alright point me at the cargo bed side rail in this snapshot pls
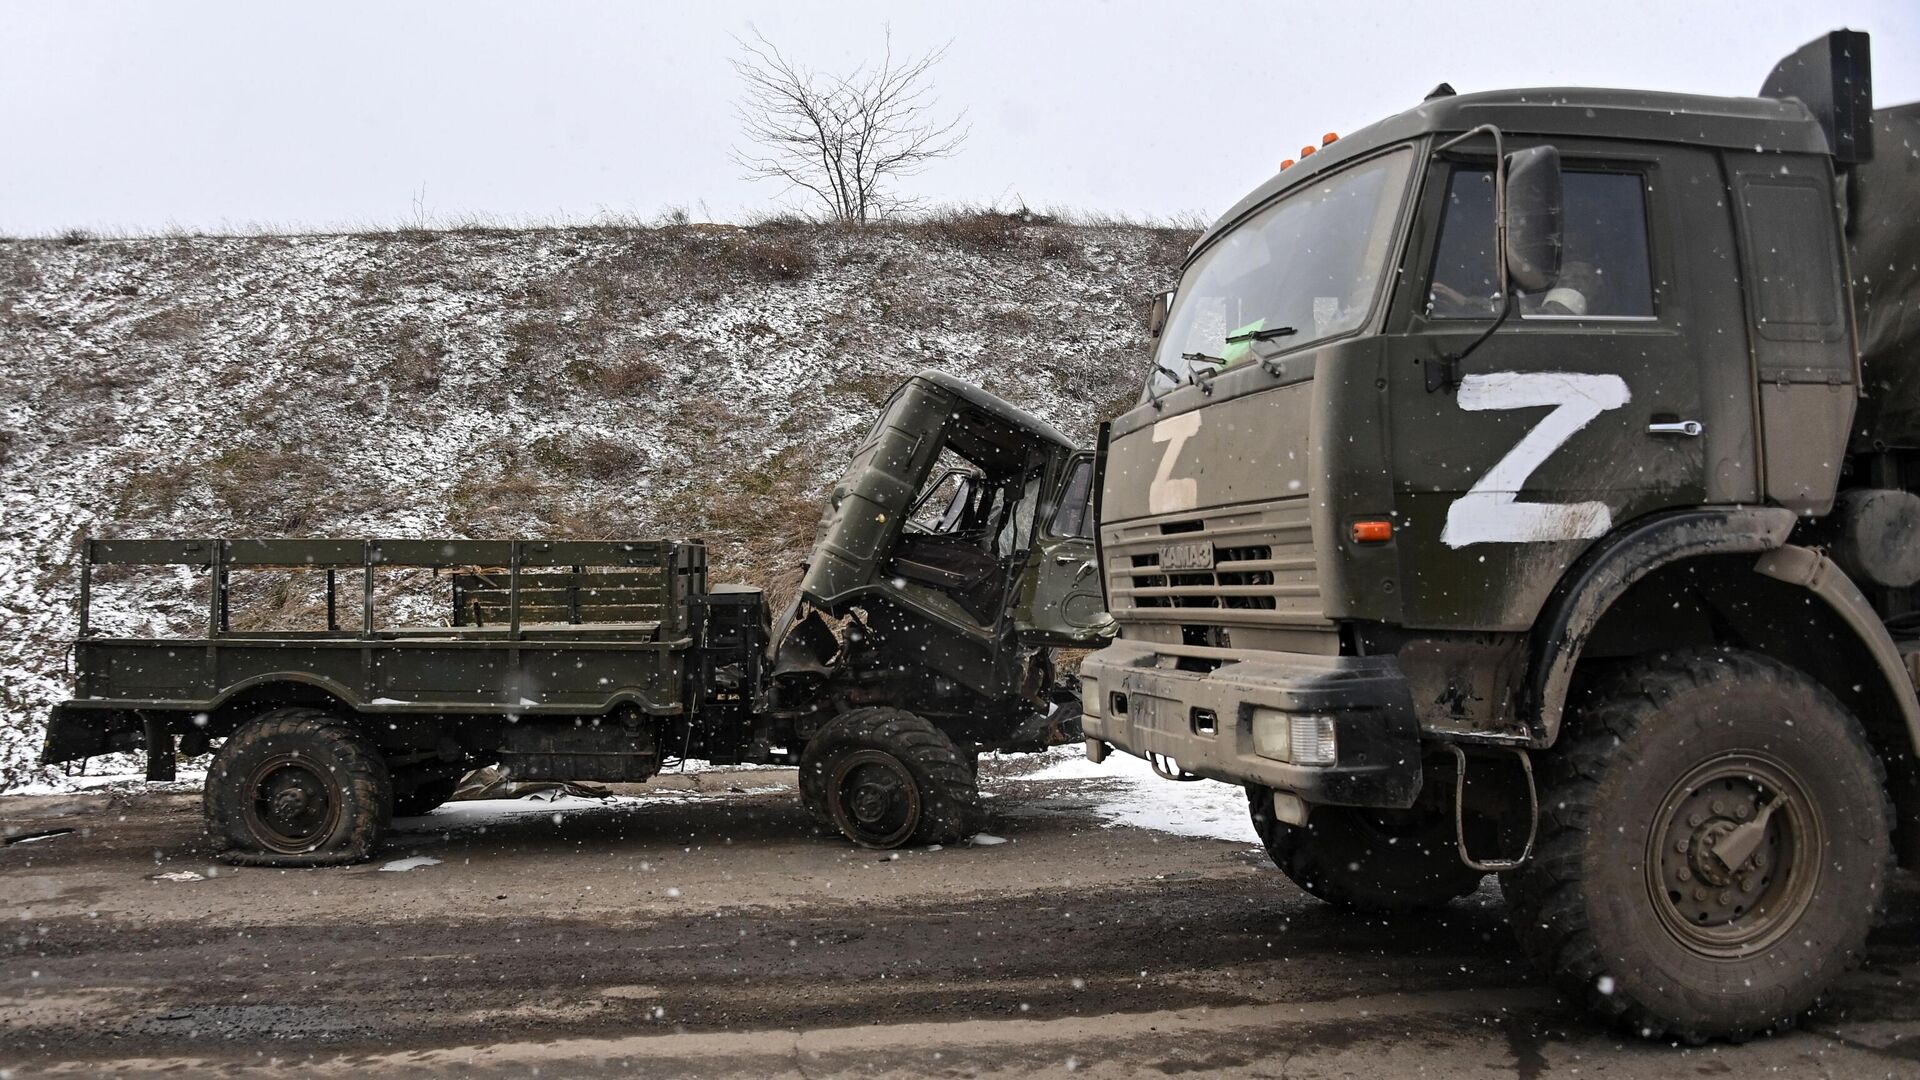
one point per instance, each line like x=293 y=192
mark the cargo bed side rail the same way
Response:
x=559 y=572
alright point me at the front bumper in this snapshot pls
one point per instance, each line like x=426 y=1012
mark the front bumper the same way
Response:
x=1378 y=739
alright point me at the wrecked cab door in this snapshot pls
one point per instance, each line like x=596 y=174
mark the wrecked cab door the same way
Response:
x=1060 y=599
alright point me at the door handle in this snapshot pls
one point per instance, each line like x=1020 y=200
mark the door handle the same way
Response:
x=1690 y=428
x=1063 y=558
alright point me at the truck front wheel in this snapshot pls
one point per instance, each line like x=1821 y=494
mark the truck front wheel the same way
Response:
x=1714 y=847
x=1367 y=860
x=885 y=777
x=298 y=787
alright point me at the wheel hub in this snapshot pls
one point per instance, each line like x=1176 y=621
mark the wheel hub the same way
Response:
x=1728 y=841
x=873 y=799
x=292 y=806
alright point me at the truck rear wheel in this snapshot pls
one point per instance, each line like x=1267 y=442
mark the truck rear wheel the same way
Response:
x=1367 y=860
x=1714 y=847
x=298 y=787
x=885 y=778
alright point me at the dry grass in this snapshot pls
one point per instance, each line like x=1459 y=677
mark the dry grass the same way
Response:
x=976 y=229
x=873 y=387
x=706 y=416
x=592 y=457
x=282 y=600
x=418 y=362
x=170 y=325
x=275 y=492
x=783 y=257
x=758 y=519
x=150 y=487
x=499 y=500
x=628 y=373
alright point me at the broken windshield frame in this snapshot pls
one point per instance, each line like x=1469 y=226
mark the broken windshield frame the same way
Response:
x=1306 y=267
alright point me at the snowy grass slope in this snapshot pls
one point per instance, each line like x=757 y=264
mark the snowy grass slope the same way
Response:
x=678 y=381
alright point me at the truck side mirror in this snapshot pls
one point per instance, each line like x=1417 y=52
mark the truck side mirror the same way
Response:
x=1157 y=317
x=1533 y=218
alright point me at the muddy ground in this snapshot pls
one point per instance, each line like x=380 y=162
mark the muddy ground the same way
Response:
x=702 y=931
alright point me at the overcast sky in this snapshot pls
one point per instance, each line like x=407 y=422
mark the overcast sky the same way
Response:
x=204 y=116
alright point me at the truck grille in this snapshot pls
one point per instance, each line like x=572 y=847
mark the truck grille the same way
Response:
x=1263 y=571
x=1230 y=584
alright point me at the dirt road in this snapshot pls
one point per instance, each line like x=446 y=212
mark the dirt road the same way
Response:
x=712 y=933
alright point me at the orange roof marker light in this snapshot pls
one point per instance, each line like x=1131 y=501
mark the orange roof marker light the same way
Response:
x=1329 y=138
x=1287 y=164
x=1372 y=532
x=1307 y=150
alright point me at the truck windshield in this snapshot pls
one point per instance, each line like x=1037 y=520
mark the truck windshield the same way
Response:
x=1312 y=261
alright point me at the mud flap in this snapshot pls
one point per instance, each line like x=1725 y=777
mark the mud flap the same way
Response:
x=162 y=762
x=73 y=734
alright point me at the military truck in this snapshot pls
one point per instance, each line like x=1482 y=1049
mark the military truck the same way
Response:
x=1526 y=484
x=950 y=560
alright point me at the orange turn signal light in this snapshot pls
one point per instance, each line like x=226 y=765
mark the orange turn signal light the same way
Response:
x=1372 y=532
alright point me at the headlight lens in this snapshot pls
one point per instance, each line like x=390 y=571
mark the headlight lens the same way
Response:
x=1303 y=739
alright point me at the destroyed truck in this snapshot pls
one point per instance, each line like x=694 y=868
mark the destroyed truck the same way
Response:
x=1530 y=483
x=950 y=561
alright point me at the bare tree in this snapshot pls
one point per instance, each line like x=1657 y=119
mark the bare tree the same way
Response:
x=845 y=139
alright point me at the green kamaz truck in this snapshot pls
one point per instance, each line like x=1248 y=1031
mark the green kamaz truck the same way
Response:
x=1527 y=483
x=951 y=559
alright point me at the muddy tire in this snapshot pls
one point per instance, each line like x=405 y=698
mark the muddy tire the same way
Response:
x=1670 y=770
x=423 y=797
x=1366 y=860
x=886 y=778
x=298 y=787
x=813 y=788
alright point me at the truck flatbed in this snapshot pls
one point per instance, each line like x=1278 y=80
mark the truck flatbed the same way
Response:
x=624 y=623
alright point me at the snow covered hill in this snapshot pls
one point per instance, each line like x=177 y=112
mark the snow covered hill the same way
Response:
x=685 y=381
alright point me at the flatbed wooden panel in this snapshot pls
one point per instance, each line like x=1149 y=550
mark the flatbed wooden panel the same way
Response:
x=563 y=670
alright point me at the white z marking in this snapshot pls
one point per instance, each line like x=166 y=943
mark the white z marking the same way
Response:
x=1487 y=514
x=1167 y=495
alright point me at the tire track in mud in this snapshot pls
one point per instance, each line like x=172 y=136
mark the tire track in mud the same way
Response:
x=175 y=988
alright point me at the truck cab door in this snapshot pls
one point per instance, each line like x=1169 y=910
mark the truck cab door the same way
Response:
x=1586 y=409
x=1059 y=599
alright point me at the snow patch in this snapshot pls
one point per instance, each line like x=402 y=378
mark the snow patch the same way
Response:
x=1125 y=791
x=413 y=863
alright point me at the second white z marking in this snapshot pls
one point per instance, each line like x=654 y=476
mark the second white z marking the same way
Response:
x=1166 y=493
x=1487 y=513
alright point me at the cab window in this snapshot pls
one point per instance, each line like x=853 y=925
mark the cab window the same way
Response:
x=1074 y=516
x=1604 y=268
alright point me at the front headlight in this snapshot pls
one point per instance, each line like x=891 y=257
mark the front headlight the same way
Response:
x=1302 y=739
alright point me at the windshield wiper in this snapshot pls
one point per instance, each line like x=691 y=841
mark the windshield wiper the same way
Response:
x=1203 y=380
x=1267 y=363
x=1261 y=335
x=1172 y=375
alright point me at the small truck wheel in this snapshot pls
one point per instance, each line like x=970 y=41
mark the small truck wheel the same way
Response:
x=886 y=778
x=1366 y=860
x=1714 y=846
x=298 y=787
